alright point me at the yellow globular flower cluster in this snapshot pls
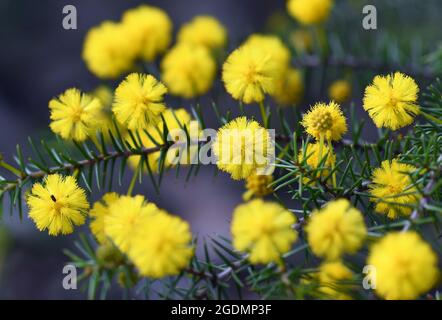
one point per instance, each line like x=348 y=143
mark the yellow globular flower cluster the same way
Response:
x=340 y=91
x=175 y=120
x=391 y=101
x=149 y=29
x=249 y=74
x=188 y=70
x=112 y=48
x=204 y=31
x=325 y=119
x=289 y=88
x=242 y=147
x=313 y=159
x=139 y=101
x=404 y=266
x=57 y=204
x=301 y=40
x=309 y=12
x=336 y=229
x=257 y=185
x=74 y=115
x=98 y=213
x=155 y=241
x=392 y=189
x=333 y=278
x=264 y=230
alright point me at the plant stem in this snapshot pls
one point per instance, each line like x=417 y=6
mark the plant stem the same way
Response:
x=264 y=114
x=330 y=145
x=431 y=118
x=10 y=168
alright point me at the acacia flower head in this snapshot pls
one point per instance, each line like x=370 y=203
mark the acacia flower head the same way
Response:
x=289 y=88
x=393 y=190
x=108 y=51
x=188 y=70
x=340 y=91
x=325 y=119
x=264 y=230
x=57 y=204
x=405 y=266
x=249 y=74
x=336 y=229
x=139 y=101
x=312 y=158
x=125 y=216
x=257 y=185
x=98 y=213
x=162 y=247
x=333 y=278
x=149 y=29
x=391 y=101
x=241 y=147
x=74 y=115
x=310 y=12
x=204 y=31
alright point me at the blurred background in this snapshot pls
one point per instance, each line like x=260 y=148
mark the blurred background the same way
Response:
x=39 y=60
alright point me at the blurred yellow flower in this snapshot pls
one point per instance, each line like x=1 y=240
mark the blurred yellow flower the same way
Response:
x=57 y=204
x=325 y=119
x=393 y=190
x=98 y=214
x=149 y=29
x=289 y=88
x=264 y=230
x=257 y=185
x=139 y=101
x=74 y=115
x=404 y=266
x=108 y=51
x=336 y=229
x=310 y=12
x=188 y=70
x=124 y=219
x=162 y=247
x=301 y=40
x=340 y=91
x=250 y=74
x=391 y=101
x=241 y=147
x=333 y=279
x=204 y=30
x=313 y=159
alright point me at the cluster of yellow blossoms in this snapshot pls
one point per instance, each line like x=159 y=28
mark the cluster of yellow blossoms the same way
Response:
x=159 y=244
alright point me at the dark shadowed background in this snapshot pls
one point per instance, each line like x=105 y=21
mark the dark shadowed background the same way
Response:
x=39 y=60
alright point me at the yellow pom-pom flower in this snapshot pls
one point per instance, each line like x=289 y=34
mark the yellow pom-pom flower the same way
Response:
x=162 y=247
x=391 y=101
x=312 y=158
x=57 y=204
x=249 y=74
x=289 y=88
x=241 y=147
x=150 y=29
x=139 y=101
x=333 y=279
x=257 y=185
x=393 y=190
x=340 y=91
x=301 y=40
x=404 y=266
x=108 y=51
x=325 y=119
x=264 y=230
x=175 y=121
x=74 y=115
x=310 y=12
x=336 y=229
x=188 y=70
x=125 y=217
x=98 y=213
x=204 y=31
